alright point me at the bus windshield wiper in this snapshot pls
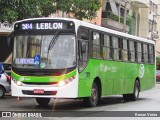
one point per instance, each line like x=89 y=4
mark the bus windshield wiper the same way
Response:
x=52 y=43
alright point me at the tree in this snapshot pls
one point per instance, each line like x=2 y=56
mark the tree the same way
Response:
x=12 y=10
x=80 y=9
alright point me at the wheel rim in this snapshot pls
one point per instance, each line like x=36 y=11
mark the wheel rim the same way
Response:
x=137 y=90
x=1 y=92
x=94 y=96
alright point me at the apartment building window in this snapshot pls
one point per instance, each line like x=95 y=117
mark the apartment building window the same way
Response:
x=108 y=6
x=154 y=26
x=154 y=8
x=122 y=12
x=150 y=26
x=151 y=5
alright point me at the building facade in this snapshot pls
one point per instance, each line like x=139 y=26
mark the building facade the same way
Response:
x=136 y=17
x=5 y=45
x=158 y=28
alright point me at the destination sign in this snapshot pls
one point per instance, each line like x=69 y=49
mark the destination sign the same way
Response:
x=44 y=26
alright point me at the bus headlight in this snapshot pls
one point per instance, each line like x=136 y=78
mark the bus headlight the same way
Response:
x=66 y=81
x=19 y=83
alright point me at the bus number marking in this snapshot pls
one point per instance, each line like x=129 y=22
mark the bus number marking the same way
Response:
x=27 y=26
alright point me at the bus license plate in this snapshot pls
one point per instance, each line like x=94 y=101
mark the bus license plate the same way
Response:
x=39 y=91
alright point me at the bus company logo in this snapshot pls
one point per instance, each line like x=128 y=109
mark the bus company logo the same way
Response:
x=21 y=78
x=141 y=71
x=6 y=114
x=103 y=67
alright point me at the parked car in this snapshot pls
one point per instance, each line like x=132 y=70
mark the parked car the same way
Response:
x=5 y=79
x=158 y=75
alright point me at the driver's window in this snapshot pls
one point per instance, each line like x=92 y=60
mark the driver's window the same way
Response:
x=83 y=37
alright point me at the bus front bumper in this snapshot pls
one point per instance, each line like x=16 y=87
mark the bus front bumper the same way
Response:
x=47 y=91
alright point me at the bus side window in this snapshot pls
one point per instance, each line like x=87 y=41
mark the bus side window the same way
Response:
x=107 y=47
x=145 y=53
x=132 y=53
x=125 y=50
x=116 y=48
x=96 y=52
x=151 y=54
x=139 y=52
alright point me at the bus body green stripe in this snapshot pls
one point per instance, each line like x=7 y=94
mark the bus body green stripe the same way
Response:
x=44 y=79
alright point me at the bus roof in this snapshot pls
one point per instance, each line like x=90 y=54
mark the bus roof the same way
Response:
x=100 y=28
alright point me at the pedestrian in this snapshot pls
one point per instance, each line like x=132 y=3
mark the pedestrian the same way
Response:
x=19 y=98
x=1 y=68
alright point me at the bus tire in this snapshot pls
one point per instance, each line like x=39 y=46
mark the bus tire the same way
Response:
x=43 y=101
x=126 y=97
x=2 y=92
x=94 y=98
x=135 y=94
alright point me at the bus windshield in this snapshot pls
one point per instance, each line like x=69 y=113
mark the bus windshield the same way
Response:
x=44 y=51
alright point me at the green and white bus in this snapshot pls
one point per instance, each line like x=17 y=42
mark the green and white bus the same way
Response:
x=68 y=58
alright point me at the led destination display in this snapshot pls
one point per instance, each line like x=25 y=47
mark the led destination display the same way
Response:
x=57 y=25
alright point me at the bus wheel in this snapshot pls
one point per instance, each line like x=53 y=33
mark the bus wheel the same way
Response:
x=93 y=99
x=126 y=97
x=135 y=94
x=2 y=92
x=43 y=101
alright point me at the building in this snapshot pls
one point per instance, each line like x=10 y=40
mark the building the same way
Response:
x=115 y=14
x=136 y=17
x=158 y=29
x=5 y=48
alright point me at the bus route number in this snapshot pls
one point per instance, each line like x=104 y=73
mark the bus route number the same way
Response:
x=27 y=26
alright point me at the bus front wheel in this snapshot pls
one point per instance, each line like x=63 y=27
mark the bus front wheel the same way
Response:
x=43 y=101
x=2 y=92
x=93 y=99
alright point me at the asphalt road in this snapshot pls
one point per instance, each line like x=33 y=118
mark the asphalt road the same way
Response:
x=114 y=105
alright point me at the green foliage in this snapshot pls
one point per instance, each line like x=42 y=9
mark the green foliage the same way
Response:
x=12 y=10
x=128 y=21
x=80 y=9
x=158 y=63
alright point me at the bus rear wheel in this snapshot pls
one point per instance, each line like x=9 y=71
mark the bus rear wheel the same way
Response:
x=93 y=99
x=135 y=95
x=43 y=101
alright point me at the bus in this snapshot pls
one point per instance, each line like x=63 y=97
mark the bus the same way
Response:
x=69 y=58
